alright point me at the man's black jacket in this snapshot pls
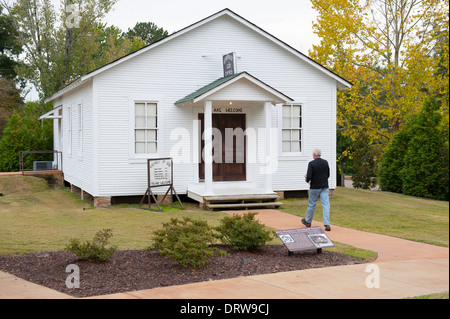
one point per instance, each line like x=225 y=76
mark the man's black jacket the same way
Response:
x=318 y=173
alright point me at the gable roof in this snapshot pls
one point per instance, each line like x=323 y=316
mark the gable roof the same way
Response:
x=342 y=83
x=222 y=83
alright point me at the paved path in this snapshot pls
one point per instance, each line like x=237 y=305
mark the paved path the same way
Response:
x=406 y=269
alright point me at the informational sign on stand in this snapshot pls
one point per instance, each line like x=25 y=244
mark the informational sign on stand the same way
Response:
x=304 y=239
x=159 y=174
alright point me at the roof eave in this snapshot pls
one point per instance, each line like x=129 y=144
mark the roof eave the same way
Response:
x=204 y=94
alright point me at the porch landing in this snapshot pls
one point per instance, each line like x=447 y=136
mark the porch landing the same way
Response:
x=232 y=195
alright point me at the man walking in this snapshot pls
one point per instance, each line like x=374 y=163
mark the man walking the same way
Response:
x=318 y=174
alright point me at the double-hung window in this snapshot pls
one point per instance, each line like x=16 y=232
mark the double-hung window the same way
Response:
x=146 y=127
x=80 y=129
x=69 y=129
x=292 y=129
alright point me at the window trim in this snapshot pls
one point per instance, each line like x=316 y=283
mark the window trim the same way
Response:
x=80 y=129
x=142 y=157
x=69 y=130
x=146 y=128
x=303 y=130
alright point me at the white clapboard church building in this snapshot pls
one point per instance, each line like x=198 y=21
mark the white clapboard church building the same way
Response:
x=238 y=111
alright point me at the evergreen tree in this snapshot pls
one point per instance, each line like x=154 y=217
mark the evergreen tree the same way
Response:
x=424 y=169
x=390 y=179
x=416 y=161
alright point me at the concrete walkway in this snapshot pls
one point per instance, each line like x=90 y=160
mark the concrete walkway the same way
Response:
x=405 y=268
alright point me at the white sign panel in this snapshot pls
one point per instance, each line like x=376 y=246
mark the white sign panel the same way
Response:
x=160 y=172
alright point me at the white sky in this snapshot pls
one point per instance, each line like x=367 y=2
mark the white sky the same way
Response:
x=288 y=20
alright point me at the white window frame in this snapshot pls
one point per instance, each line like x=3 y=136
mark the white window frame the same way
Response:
x=69 y=130
x=291 y=128
x=141 y=157
x=80 y=129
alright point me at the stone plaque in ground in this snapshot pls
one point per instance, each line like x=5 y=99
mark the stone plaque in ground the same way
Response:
x=304 y=239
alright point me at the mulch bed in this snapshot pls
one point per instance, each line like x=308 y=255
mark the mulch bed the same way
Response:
x=133 y=270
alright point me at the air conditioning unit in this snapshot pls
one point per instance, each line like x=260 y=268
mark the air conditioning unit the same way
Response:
x=42 y=165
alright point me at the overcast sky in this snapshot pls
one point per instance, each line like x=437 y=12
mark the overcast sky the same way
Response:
x=288 y=20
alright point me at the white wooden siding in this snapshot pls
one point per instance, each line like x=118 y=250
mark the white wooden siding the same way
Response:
x=78 y=166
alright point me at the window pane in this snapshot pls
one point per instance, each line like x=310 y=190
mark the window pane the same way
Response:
x=151 y=121
x=286 y=135
x=295 y=147
x=297 y=110
x=296 y=135
x=286 y=122
x=151 y=135
x=140 y=148
x=286 y=111
x=295 y=122
x=151 y=109
x=140 y=135
x=140 y=121
x=140 y=109
x=80 y=116
x=286 y=146
x=151 y=147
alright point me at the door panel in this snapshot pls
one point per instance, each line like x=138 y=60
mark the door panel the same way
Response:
x=231 y=163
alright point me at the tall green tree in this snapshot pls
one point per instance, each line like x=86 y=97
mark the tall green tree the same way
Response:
x=417 y=159
x=10 y=95
x=390 y=178
x=10 y=47
x=426 y=160
x=147 y=32
x=10 y=100
x=51 y=37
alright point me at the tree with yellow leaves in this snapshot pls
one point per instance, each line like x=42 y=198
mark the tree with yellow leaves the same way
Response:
x=395 y=52
x=392 y=51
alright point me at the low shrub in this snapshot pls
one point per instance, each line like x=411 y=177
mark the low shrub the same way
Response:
x=243 y=232
x=186 y=241
x=95 y=250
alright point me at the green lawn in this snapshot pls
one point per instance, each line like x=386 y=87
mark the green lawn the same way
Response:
x=36 y=218
x=384 y=213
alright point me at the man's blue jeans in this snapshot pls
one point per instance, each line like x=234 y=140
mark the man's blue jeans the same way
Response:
x=314 y=195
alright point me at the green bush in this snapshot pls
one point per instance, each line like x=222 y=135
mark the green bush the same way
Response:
x=25 y=132
x=94 y=251
x=186 y=241
x=243 y=232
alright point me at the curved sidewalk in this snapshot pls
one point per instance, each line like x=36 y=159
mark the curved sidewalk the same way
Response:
x=405 y=268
